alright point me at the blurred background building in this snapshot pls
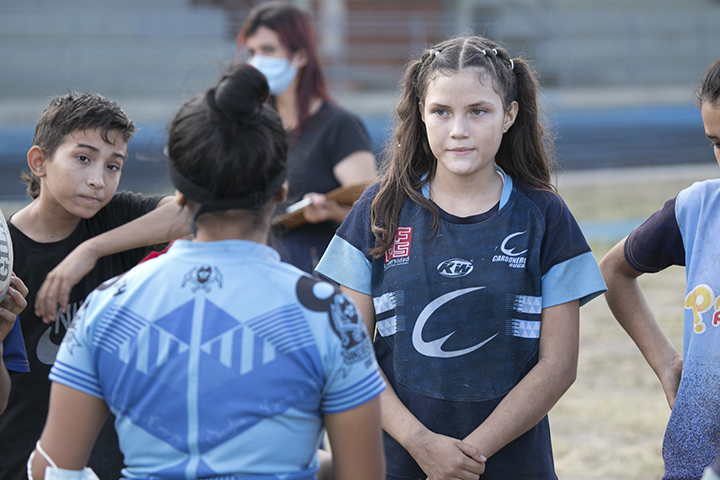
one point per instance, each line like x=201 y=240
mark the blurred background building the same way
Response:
x=618 y=75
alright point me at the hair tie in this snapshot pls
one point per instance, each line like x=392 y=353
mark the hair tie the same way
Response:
x=512 y=64
x=494 y=52
x=432 y=54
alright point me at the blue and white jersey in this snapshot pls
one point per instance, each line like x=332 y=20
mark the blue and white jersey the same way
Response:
x=458 y=310
x=681 y=233
x=218 y=360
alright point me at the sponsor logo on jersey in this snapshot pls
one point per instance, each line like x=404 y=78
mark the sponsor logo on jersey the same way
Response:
x=203 y=277
x=434 y=348
x=510 y=256
x=455 y=267
x=399 y=253
x=49 y=343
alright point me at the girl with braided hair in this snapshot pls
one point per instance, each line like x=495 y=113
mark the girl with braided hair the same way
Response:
x=471 y=270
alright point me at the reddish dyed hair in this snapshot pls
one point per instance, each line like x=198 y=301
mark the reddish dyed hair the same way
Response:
x=296 y=33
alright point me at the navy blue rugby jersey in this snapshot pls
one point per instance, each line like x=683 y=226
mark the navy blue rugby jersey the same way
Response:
x=458 y=310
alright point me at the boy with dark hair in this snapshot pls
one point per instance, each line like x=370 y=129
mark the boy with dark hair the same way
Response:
x=79 y=148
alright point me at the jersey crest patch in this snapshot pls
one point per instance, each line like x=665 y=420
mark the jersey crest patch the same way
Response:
x=399 y=253
x=513 y=258
x=203 y=277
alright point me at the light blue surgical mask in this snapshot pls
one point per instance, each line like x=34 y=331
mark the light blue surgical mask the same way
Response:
x=279 y=72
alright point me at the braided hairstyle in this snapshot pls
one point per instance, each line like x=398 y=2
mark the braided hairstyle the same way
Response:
x=526 y=151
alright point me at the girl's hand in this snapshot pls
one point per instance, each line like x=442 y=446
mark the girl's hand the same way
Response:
x=55 y=290
x=671 y=380
x=12 y=305
x=446 y=458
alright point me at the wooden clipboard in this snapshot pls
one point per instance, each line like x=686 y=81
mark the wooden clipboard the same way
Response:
x=346 y=196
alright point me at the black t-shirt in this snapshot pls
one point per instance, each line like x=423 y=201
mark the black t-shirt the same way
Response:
x=329 y=136
x=23 y=421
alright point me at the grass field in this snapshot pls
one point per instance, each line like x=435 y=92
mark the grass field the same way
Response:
x=610 y=424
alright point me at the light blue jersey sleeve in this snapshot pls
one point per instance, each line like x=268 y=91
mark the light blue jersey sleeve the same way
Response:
x=346 y=265
x=351 y=373
x=578 y=278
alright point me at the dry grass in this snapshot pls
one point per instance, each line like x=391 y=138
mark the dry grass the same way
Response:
x=610 y=424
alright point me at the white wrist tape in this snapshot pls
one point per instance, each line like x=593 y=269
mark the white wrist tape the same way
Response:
x=52 y=472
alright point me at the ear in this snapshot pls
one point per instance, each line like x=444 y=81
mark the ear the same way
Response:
x=299 y=59
x=422 y=111
x=510 y=116
x=36 y=161
x=180 y=199
x=281 y=194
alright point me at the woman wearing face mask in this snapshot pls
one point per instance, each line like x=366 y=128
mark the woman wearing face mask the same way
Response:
x=329 y=147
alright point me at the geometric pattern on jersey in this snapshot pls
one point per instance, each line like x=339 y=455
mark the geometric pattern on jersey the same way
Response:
x=525 y=303
x=523 y=328
x=195 y=376
x=386 y=313
x=244 y=349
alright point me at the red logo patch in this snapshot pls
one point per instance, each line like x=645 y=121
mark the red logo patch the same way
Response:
x=401 y=246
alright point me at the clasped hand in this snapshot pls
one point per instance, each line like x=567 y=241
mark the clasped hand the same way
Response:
x=446 y=458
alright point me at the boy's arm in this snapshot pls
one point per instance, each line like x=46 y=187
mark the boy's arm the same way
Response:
x=631 y=309
x=167 y=222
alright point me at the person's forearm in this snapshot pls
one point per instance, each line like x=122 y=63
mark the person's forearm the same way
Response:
x=632 y=311
x=523 y=407
x=398 y=421
x=4 y=382
x=166 y=223
x=533 y=397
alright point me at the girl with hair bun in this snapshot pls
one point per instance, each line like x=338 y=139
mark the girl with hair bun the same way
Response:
x=211 y=353
x=471 y=270
x=329 y=146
